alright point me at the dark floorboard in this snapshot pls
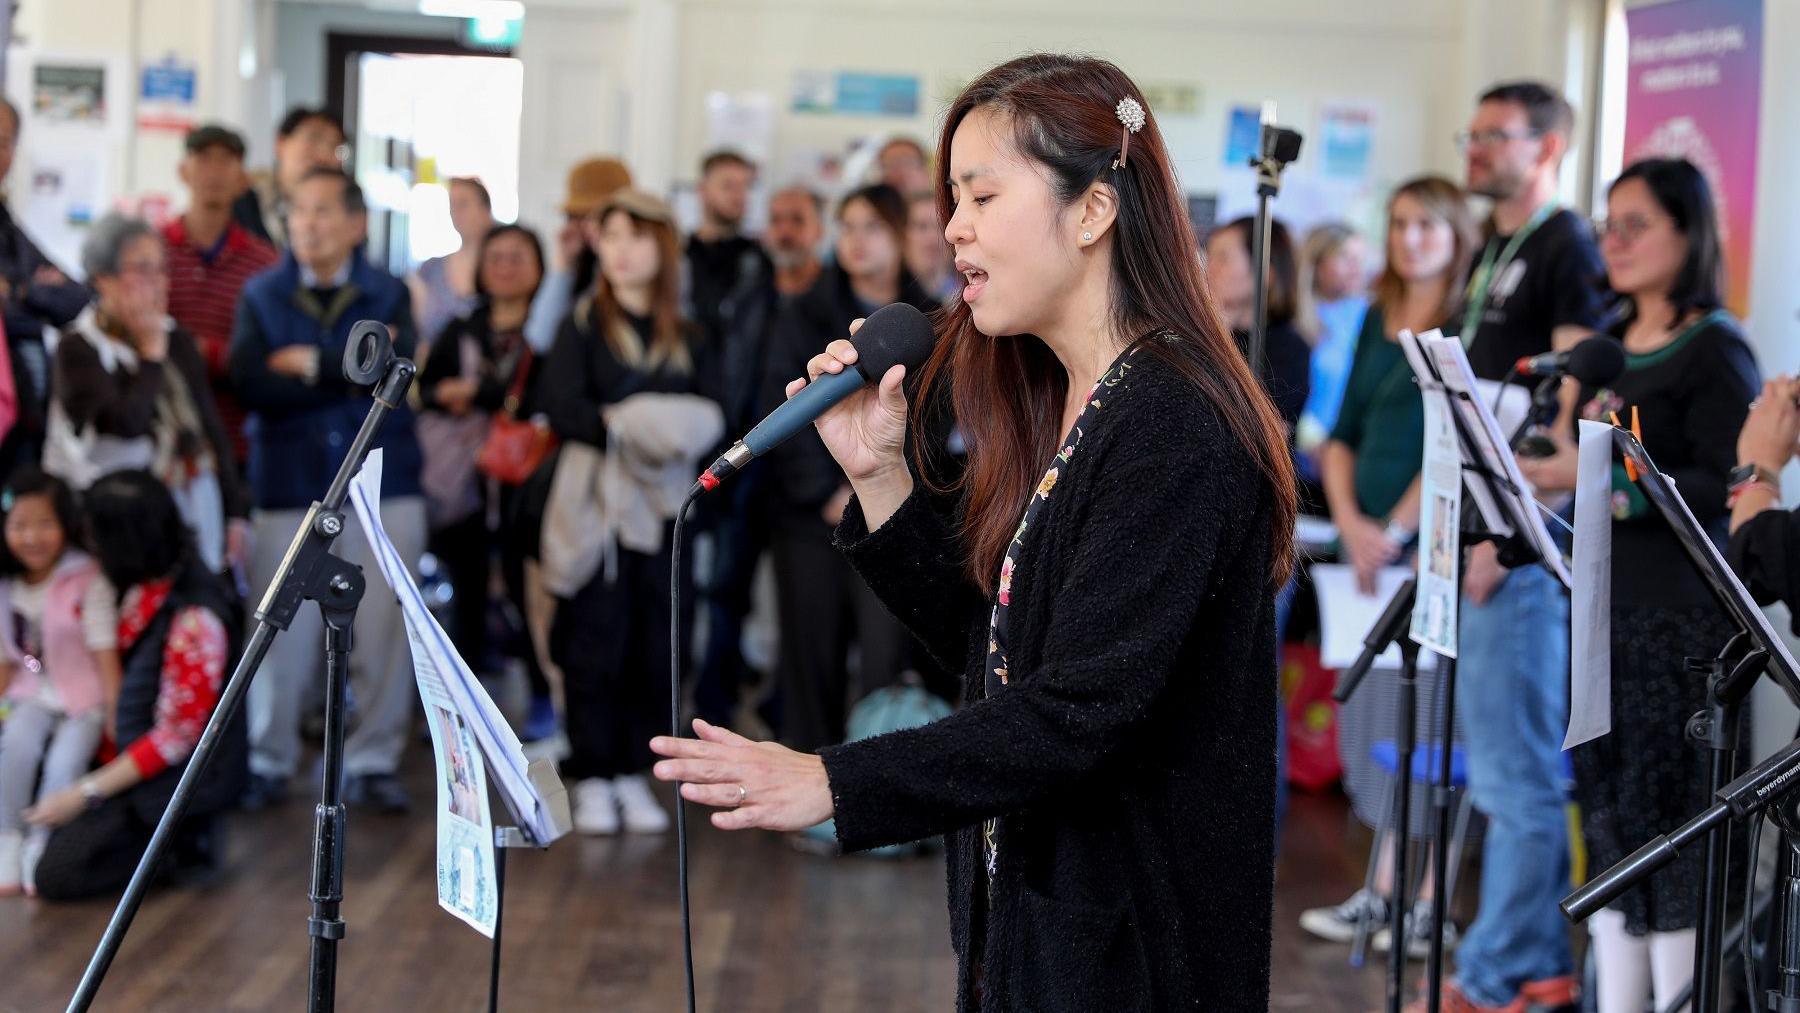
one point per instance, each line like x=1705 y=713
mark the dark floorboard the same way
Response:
x=590 y=924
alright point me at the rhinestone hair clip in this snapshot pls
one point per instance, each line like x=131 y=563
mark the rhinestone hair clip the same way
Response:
x=1131 y=119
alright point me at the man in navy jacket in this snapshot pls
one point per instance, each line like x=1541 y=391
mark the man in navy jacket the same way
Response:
x=287 y=351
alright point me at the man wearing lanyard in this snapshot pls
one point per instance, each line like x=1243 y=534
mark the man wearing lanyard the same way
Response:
x=1536 y=285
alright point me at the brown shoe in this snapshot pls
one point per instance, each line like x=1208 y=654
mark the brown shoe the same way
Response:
x=1552 y=993
x=1544 y=994
x=1452 y=1000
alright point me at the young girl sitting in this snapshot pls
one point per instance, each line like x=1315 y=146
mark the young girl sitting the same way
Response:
x=59 y=660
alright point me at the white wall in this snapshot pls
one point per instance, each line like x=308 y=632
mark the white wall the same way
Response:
x=1774 y=294
x=132 y=33
x=1392 y=54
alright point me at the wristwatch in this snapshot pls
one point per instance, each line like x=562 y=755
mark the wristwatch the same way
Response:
x=1744 y=474
x=1399 y=534
x=91 y=795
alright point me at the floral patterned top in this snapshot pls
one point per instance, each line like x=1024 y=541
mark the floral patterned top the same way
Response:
x=193 y=673
x=997 y=663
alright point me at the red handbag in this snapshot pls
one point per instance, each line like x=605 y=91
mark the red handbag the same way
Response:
x=514 y=449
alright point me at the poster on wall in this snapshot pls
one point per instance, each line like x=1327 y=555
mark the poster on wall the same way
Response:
x=1243 y=136
x=1694 y=92
x=71 y=141
x=69 y=93
x=854 y=93
x=1346 y=141
x=166 y=96
x=744 y=123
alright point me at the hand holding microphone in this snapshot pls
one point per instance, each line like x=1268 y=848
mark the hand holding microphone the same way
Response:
x=865 y=432
x=864 y=428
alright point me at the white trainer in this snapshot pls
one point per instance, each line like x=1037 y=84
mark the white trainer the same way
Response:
x=643 y=813
x=35 y=841
x=12 y=847
x=596 y=807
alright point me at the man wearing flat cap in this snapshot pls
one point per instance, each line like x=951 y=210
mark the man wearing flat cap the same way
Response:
x=211 y=255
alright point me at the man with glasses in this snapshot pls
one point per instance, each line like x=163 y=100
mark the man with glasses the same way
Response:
x=287 y=352
x=1535 y=286
x=307 y=139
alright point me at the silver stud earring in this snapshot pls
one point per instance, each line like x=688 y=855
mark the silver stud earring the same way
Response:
x=1087 y=237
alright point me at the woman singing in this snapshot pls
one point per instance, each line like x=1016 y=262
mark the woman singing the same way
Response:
x=1103 y=574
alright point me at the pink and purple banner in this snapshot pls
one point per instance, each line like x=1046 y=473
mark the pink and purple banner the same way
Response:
x=1694 y=92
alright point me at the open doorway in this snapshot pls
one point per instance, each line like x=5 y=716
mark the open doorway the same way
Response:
x=419 y=113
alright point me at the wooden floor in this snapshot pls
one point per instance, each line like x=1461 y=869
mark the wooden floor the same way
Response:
x=591 y=924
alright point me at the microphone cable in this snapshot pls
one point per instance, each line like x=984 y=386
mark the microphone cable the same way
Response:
x=681 y=835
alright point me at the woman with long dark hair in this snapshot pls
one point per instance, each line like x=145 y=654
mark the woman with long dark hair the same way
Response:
x=824 y=607
x=1231 y=278
x=628 y=372
x=481 y=365
x=1103 y=573
x=1691 y=376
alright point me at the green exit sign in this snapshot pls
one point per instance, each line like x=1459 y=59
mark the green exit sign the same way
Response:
x=492 y=33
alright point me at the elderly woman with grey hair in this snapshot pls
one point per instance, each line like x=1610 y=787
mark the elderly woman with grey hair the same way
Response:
x=129 y=390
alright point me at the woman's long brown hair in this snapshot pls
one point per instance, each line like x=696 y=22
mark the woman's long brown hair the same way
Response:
x=668 y=342
x=1446 y=202
x=1008 y=392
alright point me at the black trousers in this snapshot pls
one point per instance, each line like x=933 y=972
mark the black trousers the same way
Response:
x=518 y=542
x=95 y=853
x=465 y=549
x=611 y=641
x=739 y=536
x=826 y=609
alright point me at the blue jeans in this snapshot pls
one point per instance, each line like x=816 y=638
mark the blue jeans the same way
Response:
x=1512 y=681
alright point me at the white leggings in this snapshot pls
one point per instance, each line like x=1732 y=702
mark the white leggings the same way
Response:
x=35 y=734
x=1634 y=969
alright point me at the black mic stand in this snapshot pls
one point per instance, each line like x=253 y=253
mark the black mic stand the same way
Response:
x=1391 y=628
x=1786 y=815
x=1532 y=438
x=1278 y=146
x=309 y=572
x=1754 y=650
x=1515 y=551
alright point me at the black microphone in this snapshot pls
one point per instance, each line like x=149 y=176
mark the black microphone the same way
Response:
x=1594 y=361
x=897 y=333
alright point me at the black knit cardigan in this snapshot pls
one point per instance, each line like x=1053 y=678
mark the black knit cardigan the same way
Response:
x=1131 y=758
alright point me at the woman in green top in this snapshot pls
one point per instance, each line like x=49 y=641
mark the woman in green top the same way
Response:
x=1371 y=476
x=1371 y=463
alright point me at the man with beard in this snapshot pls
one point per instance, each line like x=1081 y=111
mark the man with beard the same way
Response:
x=796 y=226
x=1535 y=286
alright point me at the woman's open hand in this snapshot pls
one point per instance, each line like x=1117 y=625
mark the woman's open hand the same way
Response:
x=759 y=784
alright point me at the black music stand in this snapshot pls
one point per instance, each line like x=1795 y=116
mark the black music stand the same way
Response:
x=1491 y=479
x=1754 y=650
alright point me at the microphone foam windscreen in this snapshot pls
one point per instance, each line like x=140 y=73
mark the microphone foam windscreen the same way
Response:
x=1597 y=360
x=895 y=333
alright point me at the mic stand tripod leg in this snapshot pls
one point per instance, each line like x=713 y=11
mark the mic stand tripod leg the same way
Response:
x=504 y=838
x=1785 y=998
x=325 y=926
x=1441 y=838
x=1405 y=739
x=1716 y=728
